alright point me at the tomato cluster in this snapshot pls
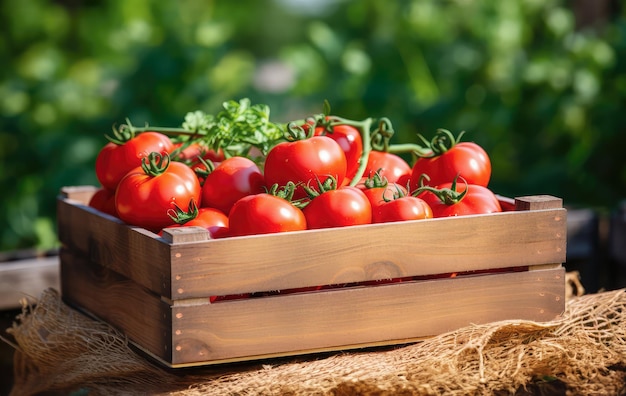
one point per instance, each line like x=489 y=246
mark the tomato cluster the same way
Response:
x=324 y=172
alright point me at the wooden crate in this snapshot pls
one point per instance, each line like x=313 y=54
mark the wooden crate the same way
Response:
x=452 y=272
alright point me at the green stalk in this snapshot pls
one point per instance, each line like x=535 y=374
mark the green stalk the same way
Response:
x=165 y=130
x=364 y=127
x=412 y=148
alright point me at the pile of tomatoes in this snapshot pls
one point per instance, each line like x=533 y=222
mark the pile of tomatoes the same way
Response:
x=325 y=172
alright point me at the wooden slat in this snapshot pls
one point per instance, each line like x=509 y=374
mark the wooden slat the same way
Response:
x=118 y=301
x=362 y=253
x=79 y=194
x=195 y=332
x=361 y=316
x=538 y=202
x=317 y=257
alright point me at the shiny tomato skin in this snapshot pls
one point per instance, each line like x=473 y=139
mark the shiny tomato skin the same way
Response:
x=402 y=209
x=144 y=201
x=345 y=206
x=233 y=179
x=478 y=200
x=264 y=214
x=303 y=162
x=115 y=161
x=466 y=158
x=392 y=166
x=211 y=219
x=104 y=200
x=405 y=180
x=350 y=140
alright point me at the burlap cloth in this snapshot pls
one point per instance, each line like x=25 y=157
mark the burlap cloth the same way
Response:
x=59 y=350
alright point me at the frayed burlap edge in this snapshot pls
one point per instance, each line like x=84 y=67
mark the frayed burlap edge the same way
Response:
x=60 y=349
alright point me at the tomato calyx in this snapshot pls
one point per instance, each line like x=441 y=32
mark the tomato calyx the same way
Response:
x=376 y=180
x=123 y=134
x=327 y=185
x=285 y=192
x=449 y=196
x=295 y=132
x=443 y=141
x=180 y=216
x=206 y=169
x=155 y=164
x=397 y=194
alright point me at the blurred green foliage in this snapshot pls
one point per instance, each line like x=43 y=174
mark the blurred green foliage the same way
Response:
x=543 y=95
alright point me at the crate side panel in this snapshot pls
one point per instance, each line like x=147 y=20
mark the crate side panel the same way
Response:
x=118 y=301
x=80 y=194
x=106 y=241
x=327 y=320
x=362 y=253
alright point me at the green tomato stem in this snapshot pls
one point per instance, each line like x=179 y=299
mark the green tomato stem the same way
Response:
x=376 y=180
x=412 y=148
x=295 y=131
x=167 y=130
x=448 y=196
x=155 y=164
x=364 y=127
x=179 y=216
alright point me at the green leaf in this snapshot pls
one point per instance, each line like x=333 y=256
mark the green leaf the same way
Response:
x=237 y=128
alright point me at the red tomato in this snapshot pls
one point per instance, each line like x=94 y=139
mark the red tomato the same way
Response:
x=379 y=195
x=350 y=140
x=305 y=162
x=378 y=190
x=402 y=208
x=104 y=200
x=230 y=297
x=264 y=214
x=507 y=204
x=467 y=159
x=345 y=206
x=231 y=180
x=476 y=200
x=211 y=219
x=147 y=193
x=189 y=152
x=115 y=160
x=388 y=165
x=404 y=180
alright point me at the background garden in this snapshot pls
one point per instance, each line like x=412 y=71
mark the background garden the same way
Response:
x=541 y=84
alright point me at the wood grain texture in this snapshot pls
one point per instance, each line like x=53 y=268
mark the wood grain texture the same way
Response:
x=361 y=316
x=156 y=289
x=26 y=279
x=107 y=241
x=195 y=332
x=362 y=253
x=189 y=266
x=538 y=202
x=118 y=301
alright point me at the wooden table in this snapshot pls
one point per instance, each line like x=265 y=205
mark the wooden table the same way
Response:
x=27 y=279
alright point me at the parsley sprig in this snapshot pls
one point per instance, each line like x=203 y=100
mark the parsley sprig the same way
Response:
x=237 y=128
